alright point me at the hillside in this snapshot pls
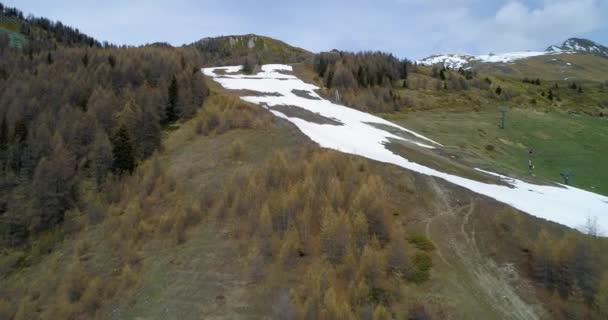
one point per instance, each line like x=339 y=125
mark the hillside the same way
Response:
x=240 y=177
x=236 y=49
x=38 y=33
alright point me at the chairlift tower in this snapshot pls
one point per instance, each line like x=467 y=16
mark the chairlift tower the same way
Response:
x=503 y=117
x=566 y=175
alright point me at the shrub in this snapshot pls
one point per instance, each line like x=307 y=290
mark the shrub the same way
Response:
x=421 y=242
x=422 y=266
x=236 y=150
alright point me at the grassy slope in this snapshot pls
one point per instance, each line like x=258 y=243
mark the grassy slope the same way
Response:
x=559 y=140
x=553 y=67
x=566 y=134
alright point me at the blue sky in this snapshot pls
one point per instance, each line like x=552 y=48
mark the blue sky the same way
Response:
x=406 y=28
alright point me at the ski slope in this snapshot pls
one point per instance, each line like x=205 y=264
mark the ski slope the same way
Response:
x=359 y=133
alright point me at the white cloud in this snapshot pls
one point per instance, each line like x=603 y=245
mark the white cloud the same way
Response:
x=407 y=28
x=518 y=26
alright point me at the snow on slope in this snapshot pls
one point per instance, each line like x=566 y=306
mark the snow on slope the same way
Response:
x=455 y=61
x=357 y=135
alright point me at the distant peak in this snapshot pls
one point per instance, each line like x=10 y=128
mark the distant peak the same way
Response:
x=580 y=45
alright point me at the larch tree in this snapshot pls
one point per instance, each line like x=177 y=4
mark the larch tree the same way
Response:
x=53 y=189
x=101 y=157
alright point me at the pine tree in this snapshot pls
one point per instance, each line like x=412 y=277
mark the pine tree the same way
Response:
x=3 y=135
x=112 y=61
x=171 y=112
x=550 y=95
x=498 y=90
x=330 y=77
x=3 y=143
x=442 y=75
x=361 y=77
x=85 y=59
x=123 y=152
x=49 y=58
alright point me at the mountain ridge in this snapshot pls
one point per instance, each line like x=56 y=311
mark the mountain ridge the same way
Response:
x=466 y=61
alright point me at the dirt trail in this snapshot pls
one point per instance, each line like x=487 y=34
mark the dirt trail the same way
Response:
x=494 y=285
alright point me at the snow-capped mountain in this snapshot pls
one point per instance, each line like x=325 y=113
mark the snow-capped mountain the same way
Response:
x=580 y=46
x=572 y=45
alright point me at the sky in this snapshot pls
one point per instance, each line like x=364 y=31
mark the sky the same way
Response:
x=407 y=28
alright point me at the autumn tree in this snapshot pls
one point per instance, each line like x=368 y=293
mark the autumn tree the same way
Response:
x=53 y=187
x=101 y=157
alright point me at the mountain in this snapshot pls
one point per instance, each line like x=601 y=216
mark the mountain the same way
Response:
x=234 y=49
x=577 y=45
x=574 y=59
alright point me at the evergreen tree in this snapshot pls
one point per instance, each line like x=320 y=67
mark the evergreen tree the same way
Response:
x=550 y=95
x=3 y=135
x=123 y=152
x=85 y=59
x=580 y=89
x=3 y=143
x=360 y=77
x=112 y=61
x=442 y=75
x=330 y=77
x=49 y=58
x=498 y=90
x=171 y=112
x=537 y=82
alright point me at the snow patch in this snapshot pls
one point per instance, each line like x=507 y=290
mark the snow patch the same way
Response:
x=562 y=204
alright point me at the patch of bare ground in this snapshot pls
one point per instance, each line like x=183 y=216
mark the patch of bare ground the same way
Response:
x=297 y=112
x=478 y=286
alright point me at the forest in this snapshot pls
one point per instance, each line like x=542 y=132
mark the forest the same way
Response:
x=77 y=118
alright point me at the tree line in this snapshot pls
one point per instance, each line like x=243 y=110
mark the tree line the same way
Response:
x=43 y=33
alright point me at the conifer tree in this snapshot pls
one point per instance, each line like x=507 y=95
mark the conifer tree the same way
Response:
x=123 y=152
x=3 y=135
x=3 y=143
x=498 y=90
x=112 y=61
x=171 y=112
x=85 y=59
